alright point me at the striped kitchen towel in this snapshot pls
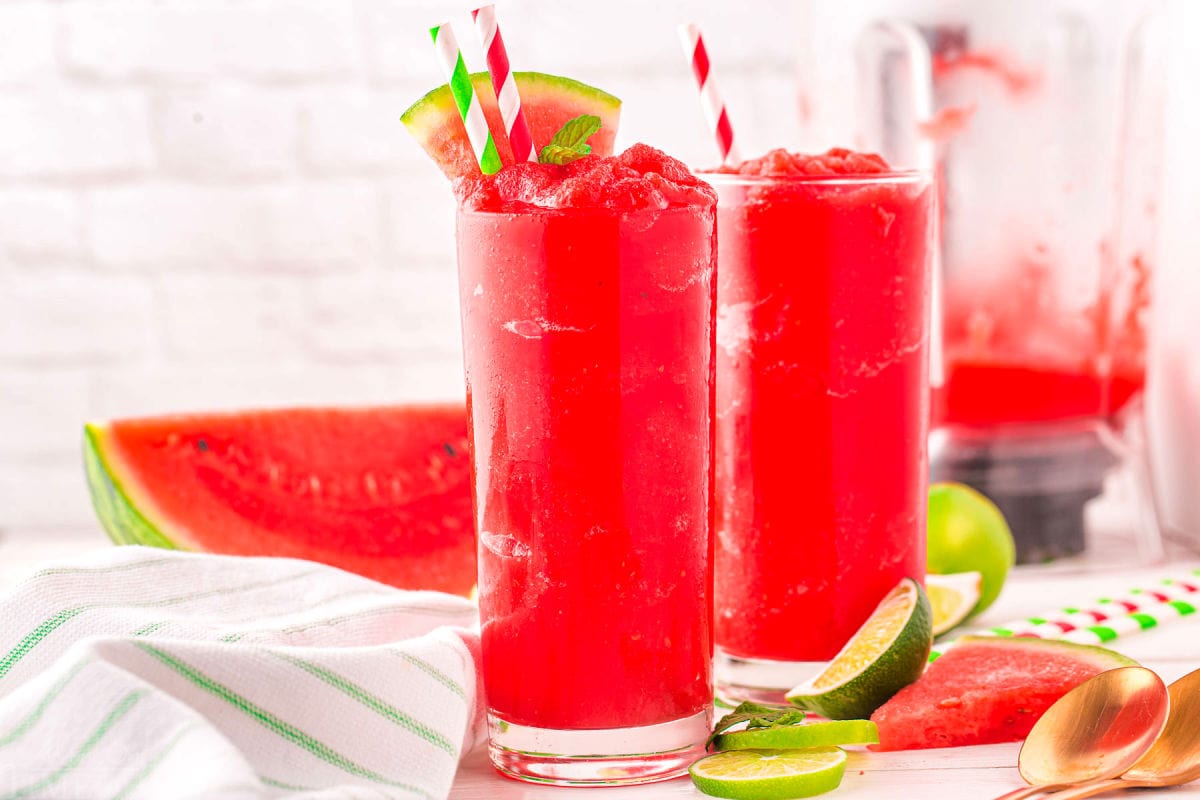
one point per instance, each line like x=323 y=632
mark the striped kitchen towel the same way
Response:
x=142 y=673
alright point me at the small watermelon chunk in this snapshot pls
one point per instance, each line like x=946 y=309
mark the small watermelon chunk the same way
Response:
x=987 y=690
x=548 y=101
x=384 y=492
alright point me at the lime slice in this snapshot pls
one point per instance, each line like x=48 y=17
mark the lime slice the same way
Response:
x=886 y=654
x=769 y=774
x=951 y=598
x=808 y=734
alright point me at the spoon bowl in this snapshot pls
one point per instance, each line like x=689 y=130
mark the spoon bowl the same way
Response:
x=1173 y=760
x=1097 y=730
x=1094 y=732
x=1175 y=757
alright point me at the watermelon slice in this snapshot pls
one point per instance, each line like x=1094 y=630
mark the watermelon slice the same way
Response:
x=384 y=492
x=987 y=690
x=548 y=101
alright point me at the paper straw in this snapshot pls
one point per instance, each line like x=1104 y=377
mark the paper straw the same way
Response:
x=515 y=124
x=451 y=59
x=1107 y=618
x=710 y=97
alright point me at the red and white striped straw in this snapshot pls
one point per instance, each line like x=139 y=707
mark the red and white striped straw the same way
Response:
x=504 y=84
x=710 y=98
x=1107 y=619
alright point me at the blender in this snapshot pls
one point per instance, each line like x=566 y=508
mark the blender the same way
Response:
x=1042 y=120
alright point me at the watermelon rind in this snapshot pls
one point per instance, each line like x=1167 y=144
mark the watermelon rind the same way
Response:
x=435 y=123
x=118 y=515
x=1099 y=656
x=437 y=102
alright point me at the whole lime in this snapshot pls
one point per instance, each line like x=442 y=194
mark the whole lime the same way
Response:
x=967 y=533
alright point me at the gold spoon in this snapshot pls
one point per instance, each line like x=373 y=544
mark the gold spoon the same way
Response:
x=1094 y=732
x=1173 y=760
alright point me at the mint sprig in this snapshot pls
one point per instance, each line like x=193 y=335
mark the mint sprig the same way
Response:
x=570 y=143
x=756 y=716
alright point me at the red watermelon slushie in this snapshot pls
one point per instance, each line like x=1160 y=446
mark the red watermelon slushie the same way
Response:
x=822 y=406
x=587 y=310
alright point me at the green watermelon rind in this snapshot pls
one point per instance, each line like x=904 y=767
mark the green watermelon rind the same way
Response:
x=434 y=106
x=1109 y=659
x=118 y=514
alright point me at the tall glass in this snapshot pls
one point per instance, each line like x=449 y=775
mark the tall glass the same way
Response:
x=588 y=340
x=822 y=414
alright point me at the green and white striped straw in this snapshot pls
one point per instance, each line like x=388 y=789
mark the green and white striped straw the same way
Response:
x=1107 y=618
x=451 y=58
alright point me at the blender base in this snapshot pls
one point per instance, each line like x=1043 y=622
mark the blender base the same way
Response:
x=1041 y=478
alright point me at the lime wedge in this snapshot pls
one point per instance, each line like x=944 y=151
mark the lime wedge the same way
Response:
x=886 y=654
x=952 y=597
x=807 y=734
x=769 y=774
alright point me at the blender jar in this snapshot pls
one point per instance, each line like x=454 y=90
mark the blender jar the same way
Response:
x=1042 y=120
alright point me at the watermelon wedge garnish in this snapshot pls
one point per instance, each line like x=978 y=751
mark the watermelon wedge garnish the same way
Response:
x=987 y=690
x=384 y=492
x=549 y=101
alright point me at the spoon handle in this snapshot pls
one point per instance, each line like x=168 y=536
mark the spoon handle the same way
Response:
x=1030 y=791
x=1097 y=787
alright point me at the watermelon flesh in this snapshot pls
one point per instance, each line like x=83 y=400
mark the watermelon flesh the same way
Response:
x=987 y=690
x=548 y=101
x=384 y=492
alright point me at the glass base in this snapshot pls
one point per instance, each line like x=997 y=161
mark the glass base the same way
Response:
x=608 y=757
x=760 y=680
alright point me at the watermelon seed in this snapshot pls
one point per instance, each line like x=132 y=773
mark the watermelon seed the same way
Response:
x=449 y=449
x=202 y=445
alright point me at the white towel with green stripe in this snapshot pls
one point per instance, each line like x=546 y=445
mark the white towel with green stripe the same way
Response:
x=139 y=673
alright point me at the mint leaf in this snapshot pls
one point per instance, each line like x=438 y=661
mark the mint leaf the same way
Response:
x=570 y=143
x=756 y=716
x=557 y=154
x=575 y=133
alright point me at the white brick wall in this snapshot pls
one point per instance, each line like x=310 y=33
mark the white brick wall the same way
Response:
x=307 y=226
x=40 y=224
x=56 y=133
x=211 y=203
x=26 y=43
x=226 y=133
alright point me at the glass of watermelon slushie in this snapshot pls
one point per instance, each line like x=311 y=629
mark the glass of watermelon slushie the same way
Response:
x=587 y=304
x=822 y=407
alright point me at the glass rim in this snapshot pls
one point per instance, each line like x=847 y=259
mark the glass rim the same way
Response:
x=529 y=210
x=891 y=177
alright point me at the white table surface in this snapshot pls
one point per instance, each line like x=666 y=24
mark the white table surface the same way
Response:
x=961 y=773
